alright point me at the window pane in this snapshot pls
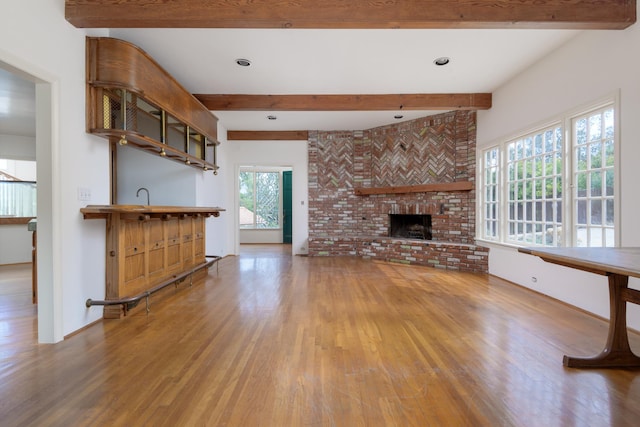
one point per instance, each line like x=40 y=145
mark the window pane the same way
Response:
x=581 y=159
x=267 y=199
x=532 y=174
x=18 y=199
x=595 y=127
x=581 y=236
x=259 y=195
x=528 y=211
x=595 y=177
x=596 y=212
x=608 y=124
x=609 y=212
x=581 y=213
x=596 y=184
x=596 y=155
x=247 y=210
x=529 y=233
x=608 y=149
x=595 y=237
x=609 y=236
x=609 y=177
x=558 y=212
x=581 y=184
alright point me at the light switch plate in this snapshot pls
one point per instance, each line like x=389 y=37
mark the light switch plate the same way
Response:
x=84 y=194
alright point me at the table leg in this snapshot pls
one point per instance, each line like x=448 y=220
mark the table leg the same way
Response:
x=617 y=352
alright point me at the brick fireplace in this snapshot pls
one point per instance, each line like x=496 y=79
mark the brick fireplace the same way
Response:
x=412 y=227
x=431 y=150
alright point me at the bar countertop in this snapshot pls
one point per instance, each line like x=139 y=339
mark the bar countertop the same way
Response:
x=100 y=211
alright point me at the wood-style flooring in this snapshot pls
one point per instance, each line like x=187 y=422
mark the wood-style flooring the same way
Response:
x=276 y=340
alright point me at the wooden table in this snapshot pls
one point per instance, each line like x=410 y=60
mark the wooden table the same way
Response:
x=618 y=264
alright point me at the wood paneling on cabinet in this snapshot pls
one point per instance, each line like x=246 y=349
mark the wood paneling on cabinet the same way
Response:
x=147 y=245
x=131 y=99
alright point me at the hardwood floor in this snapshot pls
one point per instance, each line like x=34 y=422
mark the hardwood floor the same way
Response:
x=276 y=340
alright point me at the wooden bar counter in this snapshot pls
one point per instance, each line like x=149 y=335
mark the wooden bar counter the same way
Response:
x=148 y=245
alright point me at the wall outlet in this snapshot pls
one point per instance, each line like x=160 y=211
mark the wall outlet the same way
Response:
x=84 y=194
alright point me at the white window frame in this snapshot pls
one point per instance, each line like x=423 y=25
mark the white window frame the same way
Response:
x=490 y=194
x=263 y=169
x=566 y=235
x=591 y=230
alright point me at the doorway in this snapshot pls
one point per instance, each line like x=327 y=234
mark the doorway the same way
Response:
x=287 y=206
x=34 y=111
x=264 y=197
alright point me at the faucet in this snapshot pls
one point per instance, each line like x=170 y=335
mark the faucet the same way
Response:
x=138 y=193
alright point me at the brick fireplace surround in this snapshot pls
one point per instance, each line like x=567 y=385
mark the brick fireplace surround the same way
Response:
x=434 y=149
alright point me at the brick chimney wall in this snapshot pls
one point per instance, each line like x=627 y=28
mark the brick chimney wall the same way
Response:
x=434 y=149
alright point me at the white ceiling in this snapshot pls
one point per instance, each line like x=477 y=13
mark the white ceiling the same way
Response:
x=17 y=104
x=288 y=61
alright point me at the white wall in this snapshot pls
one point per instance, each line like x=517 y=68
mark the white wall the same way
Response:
x=282 y=154
x=590 y=66
x=35 y=38
x=169 y=183
x=17 y=147
x=16 y=244
x=217 y=191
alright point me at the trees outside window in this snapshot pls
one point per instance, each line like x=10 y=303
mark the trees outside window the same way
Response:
x=523 y=196
x=259 y=195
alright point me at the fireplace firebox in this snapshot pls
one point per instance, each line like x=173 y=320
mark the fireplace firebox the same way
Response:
x=410 y=226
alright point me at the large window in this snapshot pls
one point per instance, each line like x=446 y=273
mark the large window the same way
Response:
x=259 y=199
x=523 y=201
x=534 y=187
x=17 y=192
x=490 y=193
x=594 y=178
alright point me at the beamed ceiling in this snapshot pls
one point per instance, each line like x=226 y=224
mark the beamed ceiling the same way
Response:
x=336 y=64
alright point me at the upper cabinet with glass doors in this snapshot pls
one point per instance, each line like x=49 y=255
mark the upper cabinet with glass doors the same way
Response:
x=132 y=100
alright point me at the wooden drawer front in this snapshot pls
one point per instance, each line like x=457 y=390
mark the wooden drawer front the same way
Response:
x=156 y=248
x=156 y=233
x=199 y=249
x=134 y=241
x=156 y=262
x=134 y=275
x=199 y=225
x=187 y=253
x=173 y=230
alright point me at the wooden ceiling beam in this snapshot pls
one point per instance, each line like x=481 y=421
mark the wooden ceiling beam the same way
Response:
x=439 y=101
x=496 y=14
x=267 y=135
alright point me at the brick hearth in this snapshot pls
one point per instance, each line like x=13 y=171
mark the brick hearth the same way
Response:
x=434 y=149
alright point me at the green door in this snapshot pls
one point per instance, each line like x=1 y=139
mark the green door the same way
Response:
x=286 y=206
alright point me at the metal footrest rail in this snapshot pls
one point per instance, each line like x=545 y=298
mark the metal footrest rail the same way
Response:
x=131 y=302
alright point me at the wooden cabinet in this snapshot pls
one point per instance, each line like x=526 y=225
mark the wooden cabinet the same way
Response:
x=132 y=100
x=147 y=245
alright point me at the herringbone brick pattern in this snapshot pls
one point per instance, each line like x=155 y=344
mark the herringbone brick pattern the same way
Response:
x=418 y=152
x=429 y=150
x=335 y=160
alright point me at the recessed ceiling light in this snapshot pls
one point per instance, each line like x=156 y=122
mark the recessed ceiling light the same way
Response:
x=398 y=116
x=443 y=60
x=243 y=62
x=271 y=117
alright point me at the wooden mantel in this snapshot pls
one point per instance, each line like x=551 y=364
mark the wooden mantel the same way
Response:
x=423 y=188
